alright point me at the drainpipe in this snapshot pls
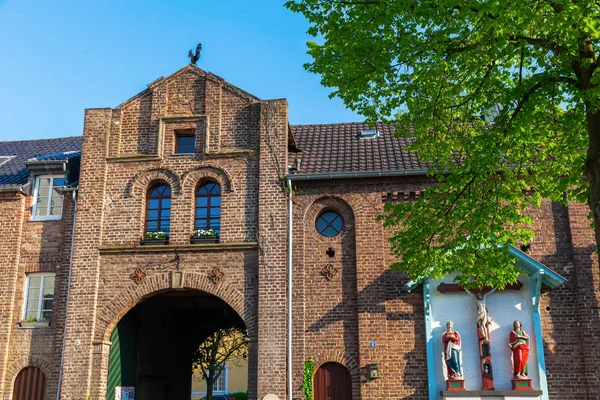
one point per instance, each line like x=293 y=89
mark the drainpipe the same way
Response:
x=289 y=289
x=62 y=352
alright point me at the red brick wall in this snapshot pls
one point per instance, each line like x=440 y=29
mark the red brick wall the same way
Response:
x=29 y=247
x=394 y=319
x=244 y=148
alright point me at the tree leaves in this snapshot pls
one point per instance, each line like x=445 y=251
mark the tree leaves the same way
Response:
x=495 y=95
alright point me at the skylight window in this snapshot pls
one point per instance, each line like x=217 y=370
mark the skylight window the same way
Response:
x=368 y=134
x=5 y=159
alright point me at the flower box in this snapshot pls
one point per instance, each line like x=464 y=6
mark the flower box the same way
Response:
x=204 y=239
x=154 y=241
x=32 y=325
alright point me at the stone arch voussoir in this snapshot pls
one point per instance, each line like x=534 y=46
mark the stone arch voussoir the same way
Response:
x=125 y=300
x=140 y=182
x=339 y=357
x=191 y=178
x=22 y=362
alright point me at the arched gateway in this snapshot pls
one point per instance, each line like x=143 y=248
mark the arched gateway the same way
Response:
x=161 y=322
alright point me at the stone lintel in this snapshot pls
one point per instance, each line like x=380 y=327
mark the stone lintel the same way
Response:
x=167 y=248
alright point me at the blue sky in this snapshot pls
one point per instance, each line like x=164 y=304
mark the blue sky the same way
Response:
x=59 y=57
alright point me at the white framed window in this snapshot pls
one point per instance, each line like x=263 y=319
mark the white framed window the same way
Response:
x=47 y=201
x=39 y=297
x=220 y=385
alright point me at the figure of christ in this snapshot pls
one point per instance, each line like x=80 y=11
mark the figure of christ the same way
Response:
x=519 y=344
x=483 y=317
x=452 y=349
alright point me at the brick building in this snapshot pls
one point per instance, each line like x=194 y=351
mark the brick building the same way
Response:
x=89 y=303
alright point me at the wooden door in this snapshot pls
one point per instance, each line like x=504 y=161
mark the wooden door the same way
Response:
x=332 y=382
x=30 y=384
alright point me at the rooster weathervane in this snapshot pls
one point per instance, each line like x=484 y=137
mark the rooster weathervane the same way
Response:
x=195 y=57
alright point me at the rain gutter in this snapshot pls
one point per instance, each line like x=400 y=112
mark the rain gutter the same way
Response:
x=289 y=289
x=350 y=175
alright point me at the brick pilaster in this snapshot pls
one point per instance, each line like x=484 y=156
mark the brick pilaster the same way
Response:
x=81 y=315
x=272 y=235
x=12 y=208
x=585 y=261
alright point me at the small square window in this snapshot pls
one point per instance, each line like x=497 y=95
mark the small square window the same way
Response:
x=185 y=141
x=39 y=297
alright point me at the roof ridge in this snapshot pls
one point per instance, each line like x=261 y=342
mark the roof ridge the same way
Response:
x=39 y=140
x=335 y=123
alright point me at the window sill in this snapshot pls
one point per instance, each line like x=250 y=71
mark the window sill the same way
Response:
x=32 y=325
x=183 y=154
x=41 y=219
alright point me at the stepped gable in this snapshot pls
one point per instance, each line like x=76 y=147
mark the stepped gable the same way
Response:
x=14 y=156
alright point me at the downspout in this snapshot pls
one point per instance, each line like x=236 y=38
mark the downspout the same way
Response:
x=62 y=352
x=289 y=290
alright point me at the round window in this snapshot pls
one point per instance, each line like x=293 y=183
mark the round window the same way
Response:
x=330 y=223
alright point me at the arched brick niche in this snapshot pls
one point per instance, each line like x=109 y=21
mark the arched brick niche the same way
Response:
x=330 y=287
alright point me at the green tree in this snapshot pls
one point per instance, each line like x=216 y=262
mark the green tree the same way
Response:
x=500 y=99
x=223 y=346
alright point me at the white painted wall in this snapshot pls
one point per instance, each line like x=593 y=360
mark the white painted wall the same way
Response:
x=504 y=307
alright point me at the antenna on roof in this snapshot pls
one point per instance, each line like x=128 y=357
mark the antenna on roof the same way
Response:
x=195 y=57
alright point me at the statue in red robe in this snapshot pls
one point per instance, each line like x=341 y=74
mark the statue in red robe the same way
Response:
x=519 y=344
x=452 y=349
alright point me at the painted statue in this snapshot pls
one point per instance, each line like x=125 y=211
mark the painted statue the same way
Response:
x=452 y=352
x=519 y=344
x=483 y=317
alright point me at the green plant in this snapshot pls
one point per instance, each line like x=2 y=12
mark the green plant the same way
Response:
x=156 y=235
x=204 y=232
x=239 y=395
x=307 y=383
x=30 y=319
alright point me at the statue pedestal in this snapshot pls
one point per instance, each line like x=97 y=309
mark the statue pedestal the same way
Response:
x=455 y=384
x=521 y=384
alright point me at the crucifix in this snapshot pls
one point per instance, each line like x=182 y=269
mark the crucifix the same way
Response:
x=483 y=330
x=483 y=336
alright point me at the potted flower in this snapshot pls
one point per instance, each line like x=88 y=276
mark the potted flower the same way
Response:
x=204 y=236
x=154 y=238
x=32 y=322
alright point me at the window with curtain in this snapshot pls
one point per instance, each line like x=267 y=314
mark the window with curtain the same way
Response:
x=208 y=206
x=158 y=208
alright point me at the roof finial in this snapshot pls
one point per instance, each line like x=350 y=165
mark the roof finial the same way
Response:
x=195 y=57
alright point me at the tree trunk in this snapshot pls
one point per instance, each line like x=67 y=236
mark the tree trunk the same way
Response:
x=592 y=167
x=209 y=388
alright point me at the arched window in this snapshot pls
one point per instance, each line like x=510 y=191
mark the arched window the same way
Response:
x=158 y=208
x=208 y=206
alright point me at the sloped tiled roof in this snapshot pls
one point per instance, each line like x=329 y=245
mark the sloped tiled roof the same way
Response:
x=15 y=172
x=336 y=148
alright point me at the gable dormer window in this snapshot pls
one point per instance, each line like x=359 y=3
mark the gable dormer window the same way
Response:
x=48 y=200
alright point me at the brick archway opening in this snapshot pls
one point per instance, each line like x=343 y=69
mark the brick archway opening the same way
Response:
x=153 y=343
